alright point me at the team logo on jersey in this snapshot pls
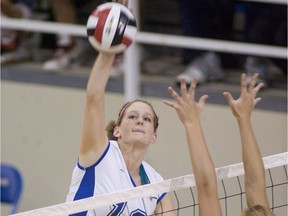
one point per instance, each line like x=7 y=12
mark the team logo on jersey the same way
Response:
x=138 y=212
x=118 y=209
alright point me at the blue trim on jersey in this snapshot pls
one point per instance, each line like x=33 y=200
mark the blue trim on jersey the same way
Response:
x=117 y=209
x=132 y=180
x=98 y=161
x=79 y=214
x=86 y=188
x=161 y=197
x=143 y=176
x=88 y=182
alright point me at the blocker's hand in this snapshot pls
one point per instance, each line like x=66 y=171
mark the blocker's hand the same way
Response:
x=187 y=108
x=244 y=105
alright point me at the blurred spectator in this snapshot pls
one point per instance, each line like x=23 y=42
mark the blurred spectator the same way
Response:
x=266 y=24
x=70 y=49
x=205 y=19
x=15 y=44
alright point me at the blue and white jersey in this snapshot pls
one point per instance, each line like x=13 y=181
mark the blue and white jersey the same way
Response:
x=110 y=174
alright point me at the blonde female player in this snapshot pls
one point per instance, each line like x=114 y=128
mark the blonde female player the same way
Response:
x=107 y=165
x=189 y=112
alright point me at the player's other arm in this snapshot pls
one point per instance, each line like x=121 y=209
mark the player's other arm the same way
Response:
x=253 y=165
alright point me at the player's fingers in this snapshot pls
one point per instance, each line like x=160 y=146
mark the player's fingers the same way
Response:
x=258 y=87
x=202 y=100
x=257 y=100
x=174 y=94
x=243 y=83
x=183 y=89
x=253 y=82
x=228 y=97
x=169 y=103
x=192 y=88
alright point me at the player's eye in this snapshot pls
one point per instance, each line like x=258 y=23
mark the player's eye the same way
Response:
x=147 y=119
x=132 y=116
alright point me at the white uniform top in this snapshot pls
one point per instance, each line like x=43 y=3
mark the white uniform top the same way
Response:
x=110 y=174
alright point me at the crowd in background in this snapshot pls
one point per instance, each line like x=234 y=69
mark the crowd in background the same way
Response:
x=252 y=22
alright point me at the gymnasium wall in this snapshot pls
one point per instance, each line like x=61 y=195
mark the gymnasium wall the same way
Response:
x=41 y=128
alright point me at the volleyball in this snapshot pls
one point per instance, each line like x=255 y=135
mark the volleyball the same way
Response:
x=111 y=28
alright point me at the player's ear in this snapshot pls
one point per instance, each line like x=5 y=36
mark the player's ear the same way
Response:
x=116 y=132
x=154 y=138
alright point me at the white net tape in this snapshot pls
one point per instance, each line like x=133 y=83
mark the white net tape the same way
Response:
x=174 y=184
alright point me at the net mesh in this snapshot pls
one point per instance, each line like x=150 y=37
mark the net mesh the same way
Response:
x=232 y=194
x=184 y=193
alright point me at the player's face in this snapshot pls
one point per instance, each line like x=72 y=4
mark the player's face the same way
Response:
x=138 y=124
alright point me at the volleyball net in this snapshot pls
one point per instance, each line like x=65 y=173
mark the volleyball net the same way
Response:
x=184 y=193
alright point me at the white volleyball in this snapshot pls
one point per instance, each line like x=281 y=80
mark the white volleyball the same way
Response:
x=111 y=28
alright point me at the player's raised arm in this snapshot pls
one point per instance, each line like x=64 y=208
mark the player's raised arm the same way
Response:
x=101 y=29
x=94 y=141
x=189 y=111
x=253 y=165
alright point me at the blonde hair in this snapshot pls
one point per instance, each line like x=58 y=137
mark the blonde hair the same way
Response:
x=257 y=210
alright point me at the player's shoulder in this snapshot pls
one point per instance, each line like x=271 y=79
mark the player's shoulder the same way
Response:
x=114 y=145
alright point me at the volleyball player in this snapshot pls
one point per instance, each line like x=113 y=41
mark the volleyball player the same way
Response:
x=189 y=112
x=108 y=165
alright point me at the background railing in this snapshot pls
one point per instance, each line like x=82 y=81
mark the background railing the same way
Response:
x=132 y=55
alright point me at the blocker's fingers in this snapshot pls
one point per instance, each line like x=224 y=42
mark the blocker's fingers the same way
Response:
x=169 y=103
x=174 y=94
x=253 y=82
x=257 y=100
x=202 y=100
x=243 y=83
x=183 y=88
x=192 y=88
x=228 y=97
x=258 y=87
